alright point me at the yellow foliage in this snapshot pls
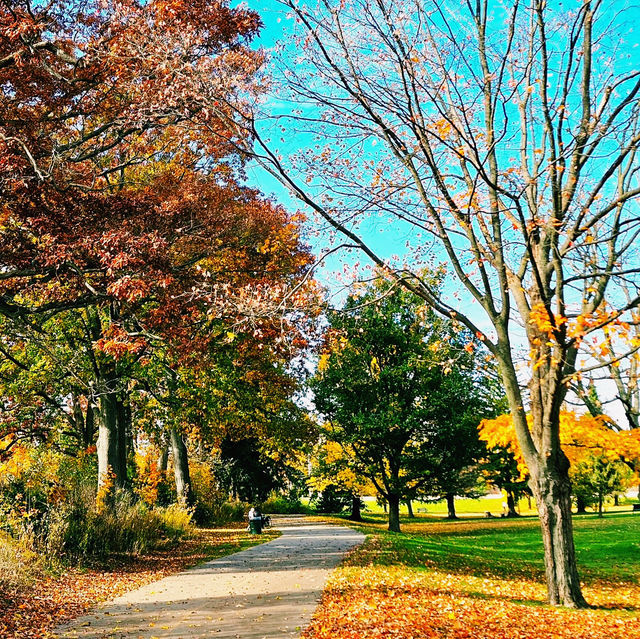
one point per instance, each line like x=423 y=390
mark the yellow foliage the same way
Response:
x=105 y=490
x=149 y=477
x=323 y=362
x=580 y=435
x=18 y=462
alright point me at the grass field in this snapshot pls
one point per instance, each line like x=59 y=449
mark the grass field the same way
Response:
x=480 y=506
x=481 y=578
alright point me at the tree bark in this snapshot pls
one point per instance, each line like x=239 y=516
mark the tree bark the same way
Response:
x=89 y=431
x=110 y=470
x=511 y=505
x=355 y=515
x=581 y=506
x=451 y=506
x=549 y=478
x=124 y=443
x=394 y=512
x=552 y=491
x=181 y=468
x=163 y=461
x=410 y=509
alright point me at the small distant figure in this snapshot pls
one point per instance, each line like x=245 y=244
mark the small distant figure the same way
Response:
x=488 y=515
x=255 y=520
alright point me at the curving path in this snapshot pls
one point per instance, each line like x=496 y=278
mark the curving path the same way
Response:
x=267 y=591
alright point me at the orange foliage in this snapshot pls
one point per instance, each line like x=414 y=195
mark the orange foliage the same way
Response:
x=149 y=476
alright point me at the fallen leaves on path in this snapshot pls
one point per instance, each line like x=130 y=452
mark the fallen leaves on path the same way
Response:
x=32 y=612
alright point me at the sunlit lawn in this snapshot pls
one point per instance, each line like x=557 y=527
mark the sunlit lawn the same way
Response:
x=480 y=506
x=481 y=578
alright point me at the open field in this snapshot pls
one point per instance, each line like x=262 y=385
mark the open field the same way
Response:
x=481 y=578
x=480 y=506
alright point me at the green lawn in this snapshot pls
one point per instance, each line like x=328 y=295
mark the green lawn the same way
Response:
x=480 y=506
x=608 y=549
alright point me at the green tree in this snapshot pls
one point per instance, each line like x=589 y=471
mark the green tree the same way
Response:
x=598 y=476
x=390 y=383
x=500 y=468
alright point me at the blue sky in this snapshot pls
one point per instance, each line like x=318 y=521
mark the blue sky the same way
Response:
x=384 y=237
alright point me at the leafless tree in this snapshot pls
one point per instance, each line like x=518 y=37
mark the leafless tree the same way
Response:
x=501 y=139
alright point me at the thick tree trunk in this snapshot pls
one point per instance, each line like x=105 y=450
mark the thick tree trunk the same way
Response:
x=553 y=497
x=600 y=502
x=451 y=506
x=410 y=509
x=581 y=506
x=181 y=468
x=511 y=505
x=394 y=512
x=548 y=467
x=355 y=515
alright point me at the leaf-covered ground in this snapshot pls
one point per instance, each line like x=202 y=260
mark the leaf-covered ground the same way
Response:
x=31 y=612
x=481 y=579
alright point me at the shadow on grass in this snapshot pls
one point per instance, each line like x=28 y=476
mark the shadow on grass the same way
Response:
x=506 y=548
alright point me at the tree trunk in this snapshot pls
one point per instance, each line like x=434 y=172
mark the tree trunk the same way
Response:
x=549 y=471
x=110 y=470
x=581 y=506
x=600 y=501
x=181 y=468
x=410 y=509
x=511 y=505
x=124 y=445
x=553 y=498
x=394 y=512
x=451 y=506
x=163 y=460
x=355 y=515
x=89 y=431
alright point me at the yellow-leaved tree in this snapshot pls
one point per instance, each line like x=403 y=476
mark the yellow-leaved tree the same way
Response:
x=600 y=456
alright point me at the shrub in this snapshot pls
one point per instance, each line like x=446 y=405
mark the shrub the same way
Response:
x=17 y=566
x=176 y=521
x=285 y=506
x=75 y=530
x=332 y=500
x=219 y=512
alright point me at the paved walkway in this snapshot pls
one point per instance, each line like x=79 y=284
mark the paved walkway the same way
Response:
x=268 y=591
